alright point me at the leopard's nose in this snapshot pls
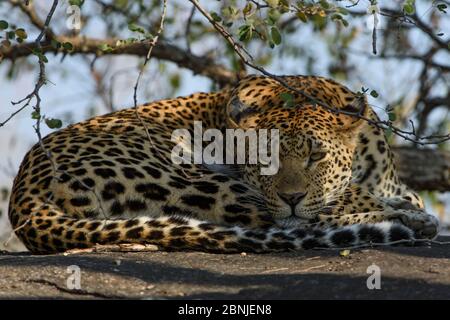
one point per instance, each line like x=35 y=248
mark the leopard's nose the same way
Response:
x=292 y=199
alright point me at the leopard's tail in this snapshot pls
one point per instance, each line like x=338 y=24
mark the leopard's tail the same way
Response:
x=50 y=233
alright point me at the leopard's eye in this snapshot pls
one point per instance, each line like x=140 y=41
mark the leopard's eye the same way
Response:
x=316 y=156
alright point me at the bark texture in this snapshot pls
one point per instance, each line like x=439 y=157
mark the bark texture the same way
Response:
x=423 y=169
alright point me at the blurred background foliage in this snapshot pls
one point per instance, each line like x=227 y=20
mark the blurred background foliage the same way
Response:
x=330 y=38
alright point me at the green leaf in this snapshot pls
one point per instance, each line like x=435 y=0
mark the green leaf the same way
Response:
x=3 y=25
x=35 y=115
x=175 y=81
x=37 y=52
x=135 y=28
x=286 y=96
x=388 y=133
x=148 y=36
x=336 y=16
x=121 y=3
x=247 y=9
x=374 y=94
x=288 y=99
x=302 y=16
x=216 y=17
x=408 y=7
x=392 y=116
x=276 y=36
x=53 y=123
x=4 y=192
x=245 y=32
x=78 y=3
x=55 y=44
x=21 y=33
x=273 y=3
x=324 y=4
x=273 y=16
x=105 y=47
x=441 y=7
x=67 y=46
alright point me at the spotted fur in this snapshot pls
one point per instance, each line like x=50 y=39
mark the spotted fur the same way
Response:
x=114 y=181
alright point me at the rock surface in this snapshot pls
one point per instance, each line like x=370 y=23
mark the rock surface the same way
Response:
x=406 y=273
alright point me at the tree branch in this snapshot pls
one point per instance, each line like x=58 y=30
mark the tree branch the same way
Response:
x=442 y=67
x=164 y=51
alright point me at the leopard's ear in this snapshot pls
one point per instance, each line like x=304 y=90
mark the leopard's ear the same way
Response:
x=352 y=115
x=239 y=114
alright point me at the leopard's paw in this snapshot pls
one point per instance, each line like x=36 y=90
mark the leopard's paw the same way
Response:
x=424 y=225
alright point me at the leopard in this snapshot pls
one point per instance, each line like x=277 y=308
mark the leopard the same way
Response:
x=110 y=180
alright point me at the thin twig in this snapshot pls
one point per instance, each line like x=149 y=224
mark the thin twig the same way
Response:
x=15 y=112
x=141 y=72
x=44 y=26
x=188 y=29
x=374 y=39
x=147 y=58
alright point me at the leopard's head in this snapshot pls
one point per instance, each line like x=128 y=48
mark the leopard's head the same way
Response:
x=315 y=152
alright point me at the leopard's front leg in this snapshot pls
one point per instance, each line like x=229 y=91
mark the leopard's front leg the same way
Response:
x=425 y=226
x=361 y=207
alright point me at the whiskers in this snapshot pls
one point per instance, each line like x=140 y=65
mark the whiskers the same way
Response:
x=335 y=196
